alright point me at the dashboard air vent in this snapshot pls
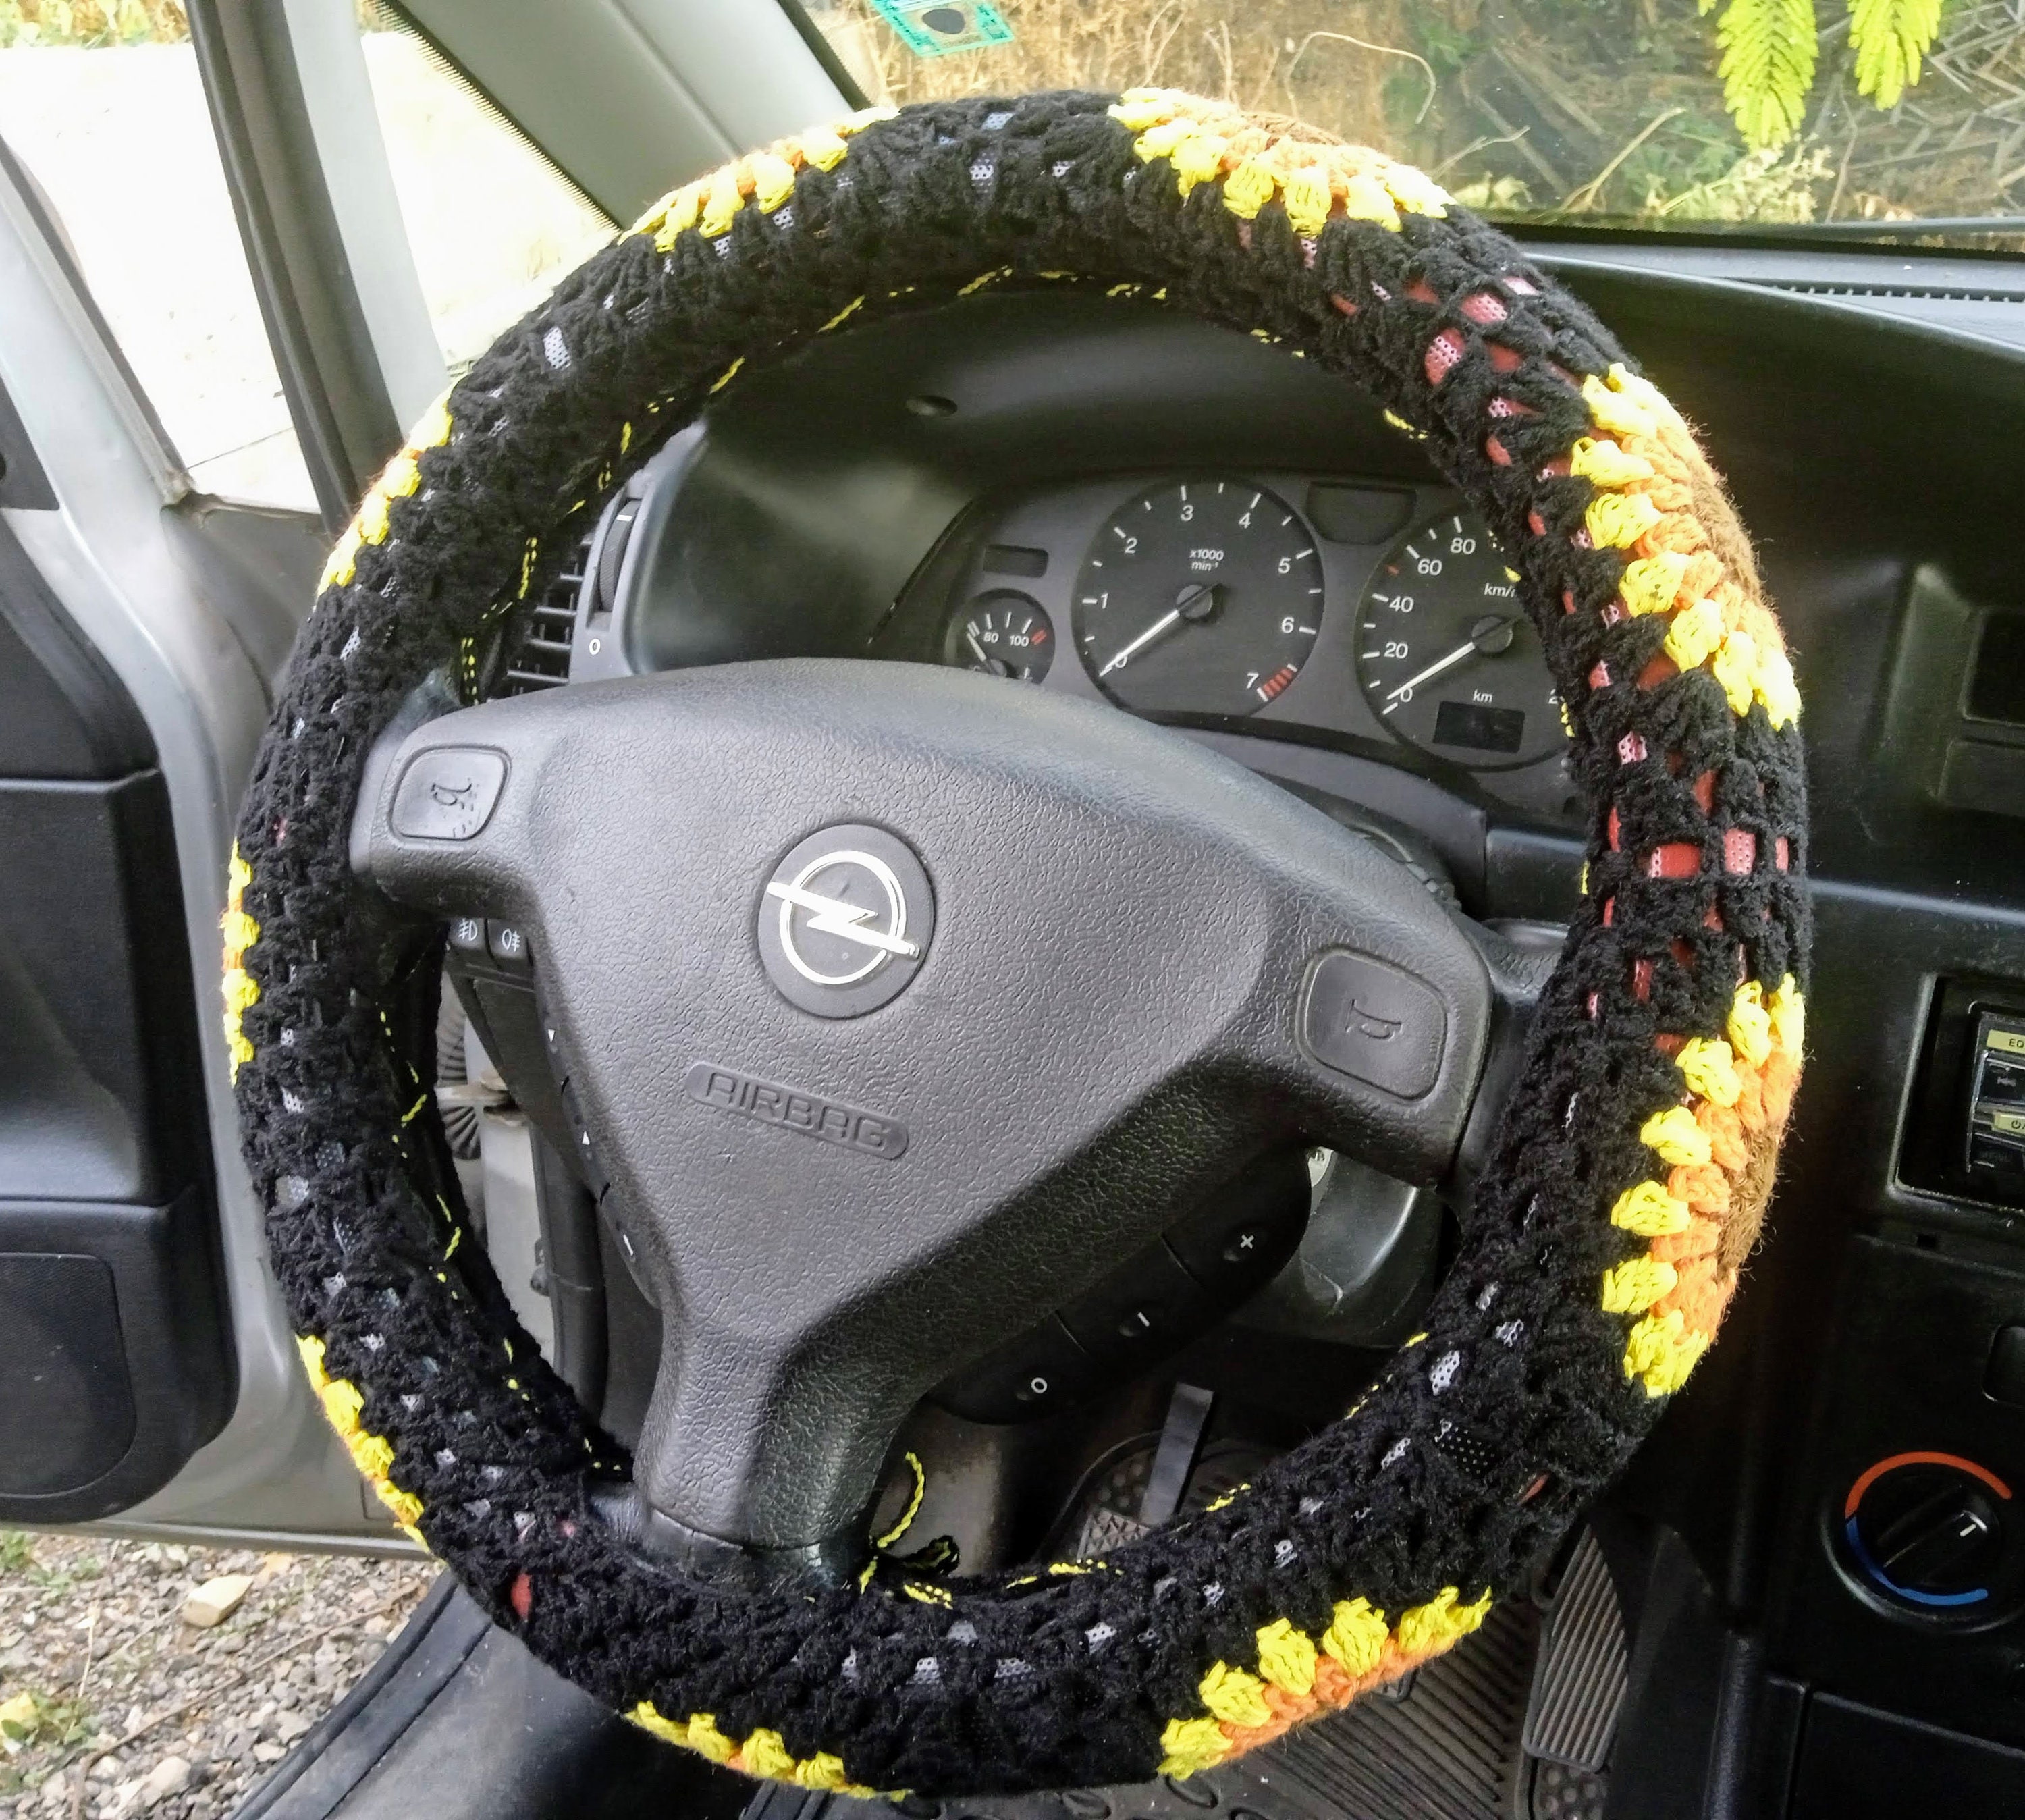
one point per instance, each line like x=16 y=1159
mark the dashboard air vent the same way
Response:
x=542 y=659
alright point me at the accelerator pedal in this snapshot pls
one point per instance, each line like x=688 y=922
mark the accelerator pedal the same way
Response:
x=1578 y=1692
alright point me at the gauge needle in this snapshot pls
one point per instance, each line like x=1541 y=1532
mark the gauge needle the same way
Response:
x=1166 y=623
x=991 y=665
x=1435 y=669
x=1483 y=638
x=1195 y=603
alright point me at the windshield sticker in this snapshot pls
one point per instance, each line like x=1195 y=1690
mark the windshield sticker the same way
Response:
x=940 y=27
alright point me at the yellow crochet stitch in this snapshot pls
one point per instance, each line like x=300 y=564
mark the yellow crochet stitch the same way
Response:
x=1314 y=181
x=372 y=1454
x=764 y=1752
x=241 y=932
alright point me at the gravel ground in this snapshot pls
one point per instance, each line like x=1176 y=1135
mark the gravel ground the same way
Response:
x=92 y=1632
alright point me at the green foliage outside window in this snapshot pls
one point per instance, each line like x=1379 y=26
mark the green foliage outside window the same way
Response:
x=1769 y=49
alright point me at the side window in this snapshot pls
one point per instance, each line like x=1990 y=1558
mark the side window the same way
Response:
x=491 y=223
x=100 y=101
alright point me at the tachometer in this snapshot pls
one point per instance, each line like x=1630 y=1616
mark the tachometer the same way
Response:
x=1445 y=654
x=1199 y=597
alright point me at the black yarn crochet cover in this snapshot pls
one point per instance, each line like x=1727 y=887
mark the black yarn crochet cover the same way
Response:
x=1069 y=1679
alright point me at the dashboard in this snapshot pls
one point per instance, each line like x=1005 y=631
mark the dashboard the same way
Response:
x=1080 y=495
x=877 y=494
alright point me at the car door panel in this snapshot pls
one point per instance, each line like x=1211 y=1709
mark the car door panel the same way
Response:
x=150 y=1373
x=111 y=1324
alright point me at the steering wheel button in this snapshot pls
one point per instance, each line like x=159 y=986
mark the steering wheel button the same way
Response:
x=1142 y=1310
x=1247 y=1230
x=1371 y=1021
x=1041 y=1371
x=447 y=793
x=507 y=945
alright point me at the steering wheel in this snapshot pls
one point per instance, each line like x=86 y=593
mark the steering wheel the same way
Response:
x=795 y=1027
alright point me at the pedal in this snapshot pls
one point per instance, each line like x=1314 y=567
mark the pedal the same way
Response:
x=1145 y=1487
x=1577 y=1693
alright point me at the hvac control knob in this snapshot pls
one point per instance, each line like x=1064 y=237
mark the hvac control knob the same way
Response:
x=1931 y=1532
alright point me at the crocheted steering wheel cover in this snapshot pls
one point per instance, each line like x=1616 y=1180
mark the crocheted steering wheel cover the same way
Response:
x=1637 y=1152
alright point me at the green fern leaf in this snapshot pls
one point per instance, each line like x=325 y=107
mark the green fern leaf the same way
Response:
x=1768 y=66
x=1891 y=36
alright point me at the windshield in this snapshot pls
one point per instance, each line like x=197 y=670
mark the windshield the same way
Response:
x=1897 y=121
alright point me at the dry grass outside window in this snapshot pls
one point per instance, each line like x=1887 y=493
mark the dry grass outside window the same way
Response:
x=1324 y=61
x=1545 y=109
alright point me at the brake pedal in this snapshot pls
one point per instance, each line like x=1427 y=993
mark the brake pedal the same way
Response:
x=1143 y=1491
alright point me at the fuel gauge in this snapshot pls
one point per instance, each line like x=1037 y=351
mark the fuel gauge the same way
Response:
x=1003 y=633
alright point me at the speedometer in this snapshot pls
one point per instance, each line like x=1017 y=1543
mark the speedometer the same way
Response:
x=1445 y=655
x=1199 y=597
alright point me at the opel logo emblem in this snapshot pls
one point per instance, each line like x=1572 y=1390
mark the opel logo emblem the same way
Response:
x=844 y=921
x=877 y=930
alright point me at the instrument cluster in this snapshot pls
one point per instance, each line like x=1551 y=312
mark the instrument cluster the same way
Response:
x=1381 y=617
